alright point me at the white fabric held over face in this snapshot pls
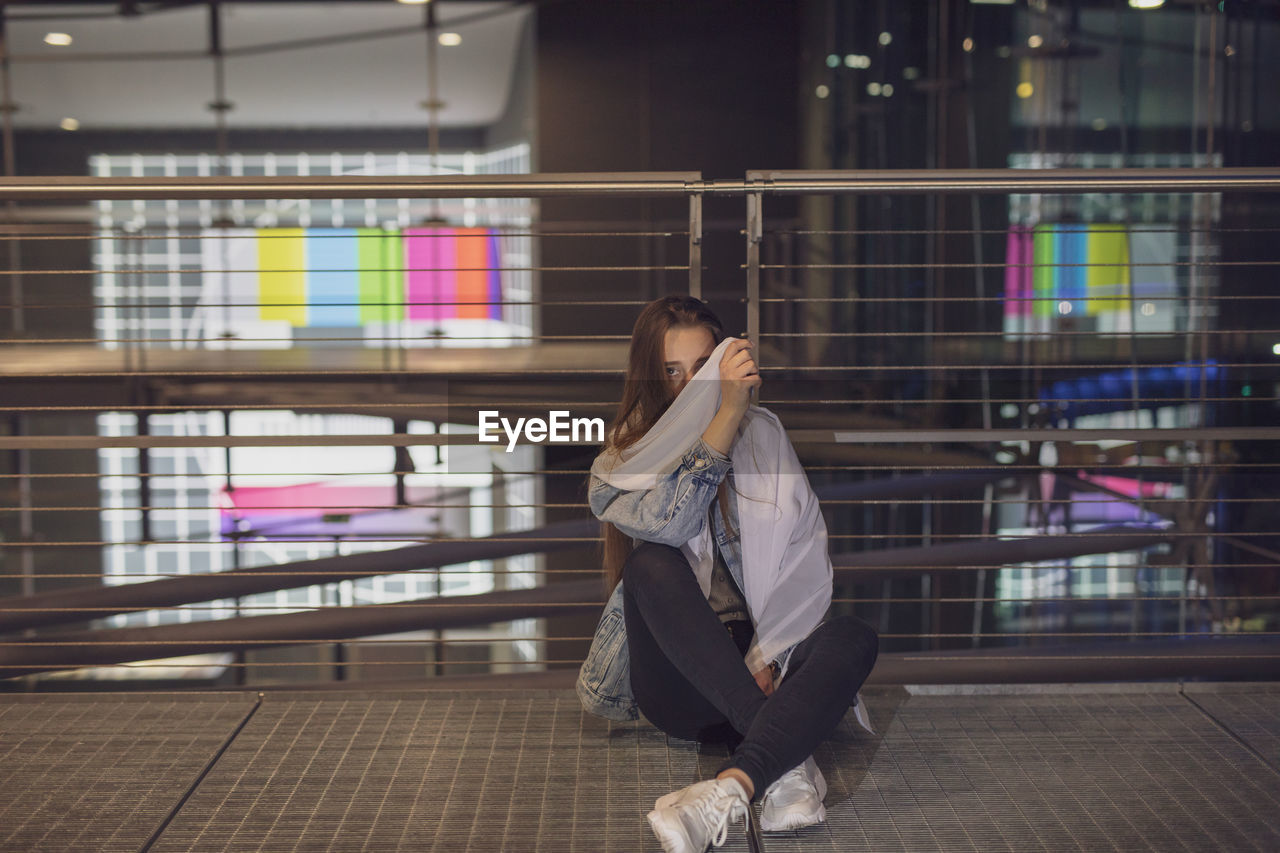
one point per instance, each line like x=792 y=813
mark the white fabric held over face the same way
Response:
x=786 y=568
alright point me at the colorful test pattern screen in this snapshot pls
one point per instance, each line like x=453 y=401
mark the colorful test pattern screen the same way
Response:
x=268 y=281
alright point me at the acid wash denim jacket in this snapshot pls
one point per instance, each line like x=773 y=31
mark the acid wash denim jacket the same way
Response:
x=672 y=513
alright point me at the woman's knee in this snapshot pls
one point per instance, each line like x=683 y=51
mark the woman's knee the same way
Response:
x=652 y=562
x=857 y=636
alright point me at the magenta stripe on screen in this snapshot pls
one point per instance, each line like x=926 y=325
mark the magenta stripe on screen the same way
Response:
x=430 y=277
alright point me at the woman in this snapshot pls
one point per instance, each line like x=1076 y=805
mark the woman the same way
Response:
x=716 y=554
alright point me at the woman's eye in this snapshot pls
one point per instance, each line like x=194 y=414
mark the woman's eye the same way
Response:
x=673 y=372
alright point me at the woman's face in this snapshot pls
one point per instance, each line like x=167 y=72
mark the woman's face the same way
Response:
x=684 y=350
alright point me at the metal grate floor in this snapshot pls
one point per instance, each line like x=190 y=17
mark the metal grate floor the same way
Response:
x=448 y=772
x=1117 y=767
x=102 y=772
x=1056 y=770
x=1250 y=712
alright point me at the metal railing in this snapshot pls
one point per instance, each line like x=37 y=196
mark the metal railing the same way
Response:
x=898 y=505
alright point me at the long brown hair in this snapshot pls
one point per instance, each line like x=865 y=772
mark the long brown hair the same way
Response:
x=646 y=394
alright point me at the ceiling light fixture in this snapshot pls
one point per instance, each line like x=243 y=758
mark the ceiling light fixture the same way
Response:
x=1145 y=4
x=449 y=39
x=57 y=39
x=69 y=124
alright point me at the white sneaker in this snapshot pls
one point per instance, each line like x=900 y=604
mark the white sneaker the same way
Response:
x=795 y=800
x=693 y=818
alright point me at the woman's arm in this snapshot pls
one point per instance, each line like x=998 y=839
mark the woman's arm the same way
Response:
x=738 y=376
x=671 y=512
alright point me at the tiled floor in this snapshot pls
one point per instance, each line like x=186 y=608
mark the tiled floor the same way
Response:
x=1126 y=767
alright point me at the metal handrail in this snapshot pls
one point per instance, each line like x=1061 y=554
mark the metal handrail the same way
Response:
x=293 y=629
x=792 y=182
x=69 y=187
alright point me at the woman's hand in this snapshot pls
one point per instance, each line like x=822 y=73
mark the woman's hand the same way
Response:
x=764 y=678
x=738 y=375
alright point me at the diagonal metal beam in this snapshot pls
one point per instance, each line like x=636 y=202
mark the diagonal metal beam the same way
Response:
x=74 y=605
x=122 y=645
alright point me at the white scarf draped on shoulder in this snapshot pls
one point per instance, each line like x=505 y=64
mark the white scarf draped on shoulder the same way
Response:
x=786 y=569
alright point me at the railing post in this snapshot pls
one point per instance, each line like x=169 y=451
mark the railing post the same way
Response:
x=144 y=477
x=755 y=231
x=695 y=245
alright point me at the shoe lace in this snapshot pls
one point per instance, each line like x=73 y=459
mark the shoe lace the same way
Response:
x=720 y=819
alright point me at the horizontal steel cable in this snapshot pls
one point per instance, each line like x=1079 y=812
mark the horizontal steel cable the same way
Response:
x=1047 y=335
x=637 y=302
x=431 y=573
x=203 y=233
x=1209 y=297
x=247 y=664
x=1172 y=598
x=1136 y=229
x=602 y=371
x=1037 y=335
x=797 y=436
x=492 y=302
x=583 y=472
x=508 y=337
x=986 y=657
x=950 y=537
x=999 y=366
x=852 y=401
x=905 y=656
x=157 y=508
x=962 y=265
x=54 y=643
x=427 y=662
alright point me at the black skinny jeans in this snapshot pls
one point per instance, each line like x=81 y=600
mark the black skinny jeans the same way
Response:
x=690 y=681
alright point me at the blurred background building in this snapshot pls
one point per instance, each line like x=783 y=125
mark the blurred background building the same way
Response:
x=991 y=312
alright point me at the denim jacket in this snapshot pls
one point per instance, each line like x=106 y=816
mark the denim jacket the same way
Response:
x=671 y=513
